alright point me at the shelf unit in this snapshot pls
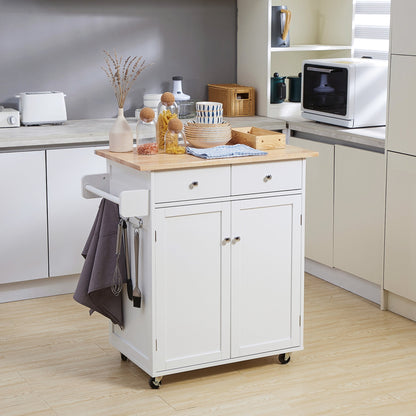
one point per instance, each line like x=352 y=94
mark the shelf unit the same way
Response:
x=306 y=48
x=319 y=29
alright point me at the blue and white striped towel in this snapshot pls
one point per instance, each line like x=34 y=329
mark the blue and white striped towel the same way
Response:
x=218 y=152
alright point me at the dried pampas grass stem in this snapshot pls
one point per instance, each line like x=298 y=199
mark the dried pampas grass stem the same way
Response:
x=122 y=73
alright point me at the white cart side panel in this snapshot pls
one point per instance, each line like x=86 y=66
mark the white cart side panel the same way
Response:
x=136 y=339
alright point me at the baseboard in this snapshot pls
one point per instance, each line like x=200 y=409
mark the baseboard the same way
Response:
x=347 y=281
x=50 y=286
x=401 y=306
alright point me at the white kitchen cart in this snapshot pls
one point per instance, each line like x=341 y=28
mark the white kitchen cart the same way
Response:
x=221 y=259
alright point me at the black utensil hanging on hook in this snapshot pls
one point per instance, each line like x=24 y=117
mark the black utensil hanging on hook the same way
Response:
x=126 y=252
x=137 y=294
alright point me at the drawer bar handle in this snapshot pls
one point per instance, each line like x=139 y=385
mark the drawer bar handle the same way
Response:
x=193 y=184
x=267 y=178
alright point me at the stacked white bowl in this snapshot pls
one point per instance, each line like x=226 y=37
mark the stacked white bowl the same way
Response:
x=209 y=112
x=209 y=128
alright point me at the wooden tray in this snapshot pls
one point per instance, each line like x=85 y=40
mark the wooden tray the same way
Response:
x=258 y=138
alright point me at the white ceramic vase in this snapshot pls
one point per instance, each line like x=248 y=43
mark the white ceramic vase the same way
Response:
x=121 y=135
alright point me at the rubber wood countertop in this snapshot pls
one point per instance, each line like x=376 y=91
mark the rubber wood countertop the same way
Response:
x=162 y=162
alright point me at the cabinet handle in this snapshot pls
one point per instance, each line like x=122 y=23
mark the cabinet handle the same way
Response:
x=226 y=241
x=193 y=184
x=236 y=239
x=267 y=178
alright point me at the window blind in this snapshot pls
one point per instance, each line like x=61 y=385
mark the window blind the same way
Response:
x=371 y=28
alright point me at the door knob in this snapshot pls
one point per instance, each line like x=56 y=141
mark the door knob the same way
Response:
x=236 y=239
x=226 y=241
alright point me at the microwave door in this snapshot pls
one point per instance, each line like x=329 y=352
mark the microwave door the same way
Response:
x=325 y=89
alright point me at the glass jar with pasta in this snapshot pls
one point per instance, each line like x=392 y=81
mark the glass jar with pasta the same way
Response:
x=175 y=141
x=166 y=110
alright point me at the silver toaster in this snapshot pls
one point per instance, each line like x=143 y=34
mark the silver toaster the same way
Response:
x=43 y=107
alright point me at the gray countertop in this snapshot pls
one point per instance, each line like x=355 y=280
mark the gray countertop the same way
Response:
x=372 y=137
x=75 y=133
x=93 y=132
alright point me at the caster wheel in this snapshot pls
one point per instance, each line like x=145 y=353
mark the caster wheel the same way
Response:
x=123 y=357
x=283 y=358
x=155 y=382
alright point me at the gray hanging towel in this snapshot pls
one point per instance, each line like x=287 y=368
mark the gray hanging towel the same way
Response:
x=94 y=285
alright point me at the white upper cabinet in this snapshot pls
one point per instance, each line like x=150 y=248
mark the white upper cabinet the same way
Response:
x=402 y=23
x=23 y=224
x=400 y=127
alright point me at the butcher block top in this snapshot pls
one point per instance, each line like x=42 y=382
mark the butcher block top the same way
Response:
x=161 y=162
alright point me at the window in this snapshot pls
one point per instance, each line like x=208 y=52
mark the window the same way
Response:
x=371 y=28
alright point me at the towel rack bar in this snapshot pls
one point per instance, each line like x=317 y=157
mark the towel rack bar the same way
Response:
x=102 y=194
x=131 y=203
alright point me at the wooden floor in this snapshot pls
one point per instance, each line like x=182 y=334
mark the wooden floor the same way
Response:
x=55 y=359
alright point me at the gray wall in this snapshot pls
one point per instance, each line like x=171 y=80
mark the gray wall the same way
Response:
x=58 y=44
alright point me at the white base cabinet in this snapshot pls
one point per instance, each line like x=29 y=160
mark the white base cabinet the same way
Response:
x=345 y=209
x=359 y=213
x=319 y=221
x=45 y=221
x=23 y=243
x=400 y=245
x=70 y=216
x=221 y=268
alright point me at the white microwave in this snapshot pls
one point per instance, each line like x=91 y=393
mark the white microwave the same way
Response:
x=348 y=92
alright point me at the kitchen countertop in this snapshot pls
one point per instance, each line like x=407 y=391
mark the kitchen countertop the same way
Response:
x=372 y=137
x=369 y=137
x=93 y=132
x=160 y=162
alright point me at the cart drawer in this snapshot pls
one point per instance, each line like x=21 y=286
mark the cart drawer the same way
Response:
x=188 y=184
x=266 y=177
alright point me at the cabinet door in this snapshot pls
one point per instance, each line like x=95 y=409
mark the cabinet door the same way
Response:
x=70 y=215
x=402 y=14
x=400 y=136
x=319 y=201
x=192 y=285
x=266 y=278
x=400 y=258
x=23 y=243
x=359 y=212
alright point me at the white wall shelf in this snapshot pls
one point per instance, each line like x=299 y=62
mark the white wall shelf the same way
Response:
x=319 y=29
x=305 y=48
